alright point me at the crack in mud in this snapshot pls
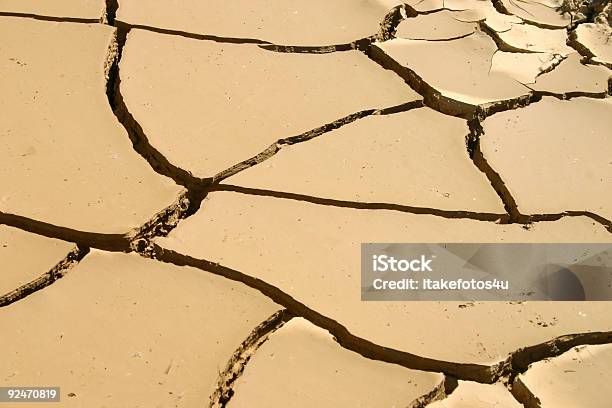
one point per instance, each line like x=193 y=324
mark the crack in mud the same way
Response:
x=308 y=135
x=105 y=242
x=475 y=152
x=486 y=374
x=449 y=214
x=239 y=360
x=46 y=279
x=50 y=18
x=110 y=12
x=523 y=394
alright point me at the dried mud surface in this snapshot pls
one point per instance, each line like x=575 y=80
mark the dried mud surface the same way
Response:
x=185 y=188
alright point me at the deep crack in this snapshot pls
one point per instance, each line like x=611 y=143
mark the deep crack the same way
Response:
x=46 y=279
x=239 y=360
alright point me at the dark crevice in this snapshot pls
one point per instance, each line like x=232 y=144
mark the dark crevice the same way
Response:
x=501 y=7
x=110 y=12
x=442 y=391
x=322 y=49
x=546 y=217
x=239 y=360
x=450 y=214
x=311 y=134
x=58 y=272
x=475 y=152
x=573 y=94
x=388 y=27
x=465 y=371
x=106 y=242
x=459 y=37
x=204 y=37
x=49 y=18
x=523 y=394
x=162 y=223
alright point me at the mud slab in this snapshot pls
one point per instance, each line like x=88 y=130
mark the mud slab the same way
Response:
x=416 y=158
x=172 y=330
x=323 y=374
x=469 y=83
x=538 y=13
x=539 y=156
x=572 y=77
x=529 y=38
x=66 y=159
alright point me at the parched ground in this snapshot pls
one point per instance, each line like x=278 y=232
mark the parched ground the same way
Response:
x=184 y=187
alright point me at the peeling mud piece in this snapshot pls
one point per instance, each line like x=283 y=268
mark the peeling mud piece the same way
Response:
x=525 y=68
x=65 y=158
x=24 y=257
x=573 y=78
x=464 y=87
x=442 y=25
x=554 y=155
x=121 y=330
x=414 y=158
x=82 y=9
x=597 y=39
x=207 y=106
x=577 y=378
x=474 y=395
x=323 y=374
x=311 y=252
x=537 y=13
x=277 y=22
x=535 y=39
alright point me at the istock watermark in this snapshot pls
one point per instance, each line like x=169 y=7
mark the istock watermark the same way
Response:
x=511 y=272
x=383 y=263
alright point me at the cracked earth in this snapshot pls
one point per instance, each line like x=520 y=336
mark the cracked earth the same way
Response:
x=185 y=187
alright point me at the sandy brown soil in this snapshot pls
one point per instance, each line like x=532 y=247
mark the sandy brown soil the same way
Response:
x=185 y=187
